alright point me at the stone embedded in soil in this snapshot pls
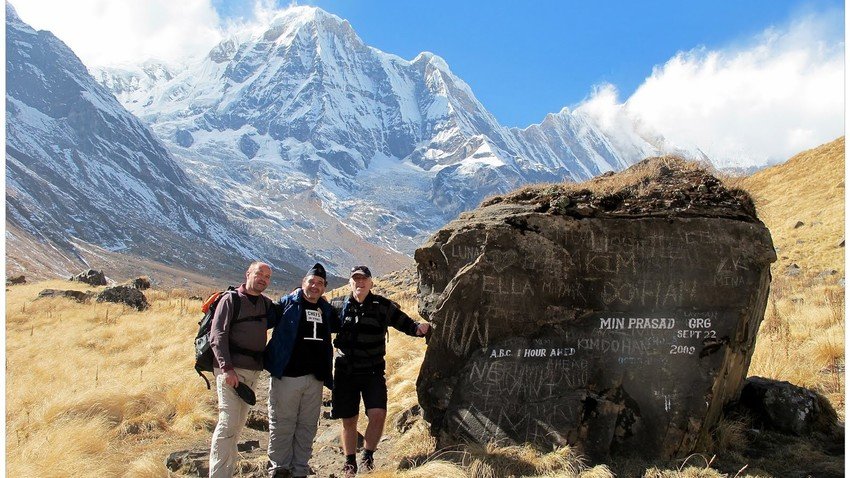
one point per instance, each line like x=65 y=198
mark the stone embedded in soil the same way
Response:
x=91 y=277
x=787 y=408
x=126 y=295
x=76 y=295
x=620 y=320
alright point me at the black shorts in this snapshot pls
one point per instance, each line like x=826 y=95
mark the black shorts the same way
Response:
x=348 y=387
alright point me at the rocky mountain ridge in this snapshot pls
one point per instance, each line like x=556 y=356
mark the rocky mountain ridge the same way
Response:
x=390 y=149
x=294 y=142
x=81 y=170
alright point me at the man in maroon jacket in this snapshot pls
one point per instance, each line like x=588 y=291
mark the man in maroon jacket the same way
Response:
x=237 y=343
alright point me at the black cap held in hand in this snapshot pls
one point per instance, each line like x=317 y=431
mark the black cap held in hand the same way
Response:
x=245 y=393
x=318 y=271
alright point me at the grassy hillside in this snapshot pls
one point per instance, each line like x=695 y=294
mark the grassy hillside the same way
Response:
x=107 y=391
x=802 y=337
x=38 y=259
x=807 y=189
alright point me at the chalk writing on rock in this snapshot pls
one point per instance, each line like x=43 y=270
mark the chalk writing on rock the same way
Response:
x=468 y=253
x=649 y=293
x=637 y=323
x=462 y=332
x=524 y=422
x=610 y=329
x=535 y=352
x=531 y=381
x=507 y=285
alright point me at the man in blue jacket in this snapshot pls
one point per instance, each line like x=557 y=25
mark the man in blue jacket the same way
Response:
x=299 y=359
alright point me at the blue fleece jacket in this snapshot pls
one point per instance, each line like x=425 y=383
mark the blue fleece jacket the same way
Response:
x=285 y=321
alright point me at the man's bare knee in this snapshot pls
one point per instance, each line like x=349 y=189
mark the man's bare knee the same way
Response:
x=376 y=414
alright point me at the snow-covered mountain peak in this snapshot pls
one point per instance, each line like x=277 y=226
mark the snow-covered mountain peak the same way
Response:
x=81 y=169
x=124 y=80
x=286 y=25
x=390 y=148
x=431 y=59
x=13 y=19
x=307 y=22
x=225 y=50
x=302 y=14
x=552 y=118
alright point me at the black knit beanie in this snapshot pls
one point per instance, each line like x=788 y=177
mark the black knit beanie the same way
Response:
x=318 y=271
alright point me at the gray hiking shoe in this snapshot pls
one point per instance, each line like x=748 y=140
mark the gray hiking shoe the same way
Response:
x=368 y=464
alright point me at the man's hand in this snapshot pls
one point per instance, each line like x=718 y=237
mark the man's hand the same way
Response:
x=423 y=329
x=231 y=378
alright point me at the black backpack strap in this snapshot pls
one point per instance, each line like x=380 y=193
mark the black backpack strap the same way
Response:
x=250 y=318
x=388 y=310
x=243 y=351
x=203 y=377
x=237 y=302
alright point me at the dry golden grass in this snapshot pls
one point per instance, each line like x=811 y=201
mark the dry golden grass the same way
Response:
x=730 y=435
x=801 y=340
x=443 y=469
x=802 y=337
x=688 y=472
x=633 y=177
x=808 y=188
x=100 y=389
x=128 y=396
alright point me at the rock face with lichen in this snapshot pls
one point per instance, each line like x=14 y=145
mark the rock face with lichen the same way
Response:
x=617 y=315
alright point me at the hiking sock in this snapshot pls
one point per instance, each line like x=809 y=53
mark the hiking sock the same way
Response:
x=351 y=460
x=367 y=454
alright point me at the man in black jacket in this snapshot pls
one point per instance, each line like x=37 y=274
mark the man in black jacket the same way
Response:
x=359 y=366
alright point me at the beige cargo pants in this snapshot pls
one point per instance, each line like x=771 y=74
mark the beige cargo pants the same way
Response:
x=294 y=406
x=232 y=413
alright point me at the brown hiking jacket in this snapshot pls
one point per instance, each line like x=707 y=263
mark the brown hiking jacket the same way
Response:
x=239 y=342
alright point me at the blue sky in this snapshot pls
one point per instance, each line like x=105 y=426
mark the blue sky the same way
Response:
x=526 y=59
x=748 y=82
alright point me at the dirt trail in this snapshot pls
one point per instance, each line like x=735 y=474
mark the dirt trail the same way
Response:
x=327 y=458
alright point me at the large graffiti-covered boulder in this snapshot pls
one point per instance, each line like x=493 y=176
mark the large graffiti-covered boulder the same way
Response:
x=618 y=315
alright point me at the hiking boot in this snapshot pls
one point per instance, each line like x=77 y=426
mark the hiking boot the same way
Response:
x=368 y=463
x=349 y=470
x=280 y=473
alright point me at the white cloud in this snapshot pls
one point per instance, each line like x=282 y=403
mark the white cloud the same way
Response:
x=109 y=32
x=762 y=103
x=617 y=122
